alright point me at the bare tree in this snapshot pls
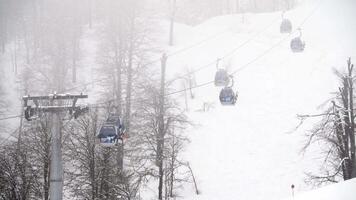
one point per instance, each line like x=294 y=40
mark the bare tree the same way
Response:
x=18 y=177
x=92 y=171
x=336 y=133
x=2 y=99
x=147 y=139
x=81 y=155
x=45 y=37
x=26 y=161
x=176 y=142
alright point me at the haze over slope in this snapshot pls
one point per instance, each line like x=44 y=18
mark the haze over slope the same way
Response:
x=248 y=151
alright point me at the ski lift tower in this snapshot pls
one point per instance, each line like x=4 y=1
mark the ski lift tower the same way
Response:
x=56 y=105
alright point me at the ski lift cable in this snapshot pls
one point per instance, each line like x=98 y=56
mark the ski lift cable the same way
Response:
x=279 y=42
x=157 y=60
x=8 y=137
x=197 y=86
x=259 y=56
x=17 y=131
x=249 y=40
x=231 y=52
x=243 y=66
x=226 y=55
x=190 y=47
x=10 y=117
x=239 y=69
x=203 y=84
x=197 y=44
x=97 y=105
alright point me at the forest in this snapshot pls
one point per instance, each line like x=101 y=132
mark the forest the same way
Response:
x=72 y=71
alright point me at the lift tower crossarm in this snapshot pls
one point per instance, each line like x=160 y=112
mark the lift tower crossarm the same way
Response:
x=55 y=96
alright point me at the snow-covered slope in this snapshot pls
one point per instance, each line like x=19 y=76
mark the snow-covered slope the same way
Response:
x=248 y=151
x=342 y=191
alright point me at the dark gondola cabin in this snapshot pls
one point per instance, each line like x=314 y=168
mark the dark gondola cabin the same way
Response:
x=227 y=96
x=297 y=45
x=112 y=131
x=108 y=135
x=286 y=26
x=221 y=78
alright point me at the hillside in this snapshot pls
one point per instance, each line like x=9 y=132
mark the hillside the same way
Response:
x=250 y=151
x=344 y=191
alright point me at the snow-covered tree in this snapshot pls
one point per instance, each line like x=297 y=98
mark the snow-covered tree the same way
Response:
x=336 y=133
x=18 y=176
x=148 y=141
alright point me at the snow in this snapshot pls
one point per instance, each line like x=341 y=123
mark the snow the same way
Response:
x=344 y=191
x=250 y=151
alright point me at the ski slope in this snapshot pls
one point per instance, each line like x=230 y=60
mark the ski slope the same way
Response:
x=344 y=191
x=251 y=151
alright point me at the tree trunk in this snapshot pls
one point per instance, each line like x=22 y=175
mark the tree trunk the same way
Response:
x=74 y=71
x=3 y=28
x=129 y=77
x=105 y=175
x=173 y=158
x=171 y=28
x=161 y=129
x=193 y=177
x=352 y=122
x=46 y=184
x=118 y=63
x=90 y=3
x=46 y=166
x=92 y=164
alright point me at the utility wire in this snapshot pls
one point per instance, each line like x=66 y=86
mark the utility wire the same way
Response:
x=190 y=47
x=156 y=60
x=246 y=42
x=279 y=42
x=226 y=55
x=16 y=131
x=231 y=52
x=259 y=56
x=196 y=44
x=8 y=137
x=10 y=117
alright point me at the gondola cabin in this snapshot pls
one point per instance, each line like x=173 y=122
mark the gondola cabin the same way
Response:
x=221 y=78
x=227 y=96
x=286 y=26
x=297 y=45
x=108 y=135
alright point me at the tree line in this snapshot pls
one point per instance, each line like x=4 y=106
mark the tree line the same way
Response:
x=46 y=42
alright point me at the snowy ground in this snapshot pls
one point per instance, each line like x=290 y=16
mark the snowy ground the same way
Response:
x=248 y=151
x=342 y=191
